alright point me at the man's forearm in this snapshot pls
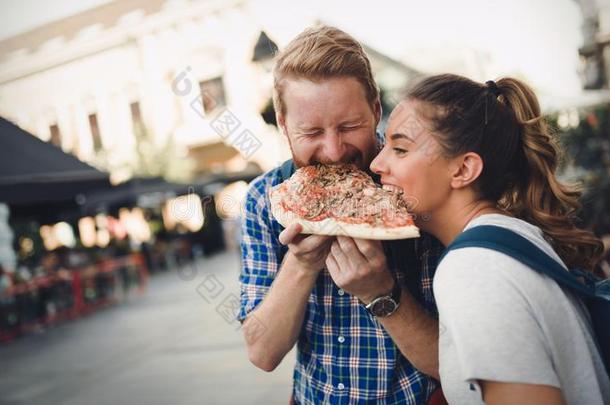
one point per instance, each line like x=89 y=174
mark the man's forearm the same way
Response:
x=415 y=333
x=272 y=329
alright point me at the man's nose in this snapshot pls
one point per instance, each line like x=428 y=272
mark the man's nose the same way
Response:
x=334 y=147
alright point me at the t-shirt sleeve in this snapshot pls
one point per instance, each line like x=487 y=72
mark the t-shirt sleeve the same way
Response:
x=488 y=322
x=258 y=251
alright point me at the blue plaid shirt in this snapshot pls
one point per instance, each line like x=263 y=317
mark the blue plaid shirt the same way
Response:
x=344 y=355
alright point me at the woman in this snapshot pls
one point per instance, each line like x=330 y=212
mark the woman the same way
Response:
x=468 y=154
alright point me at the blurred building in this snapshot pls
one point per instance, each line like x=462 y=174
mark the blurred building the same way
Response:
x=149 y=72
x=148 y=80
x=595 y=52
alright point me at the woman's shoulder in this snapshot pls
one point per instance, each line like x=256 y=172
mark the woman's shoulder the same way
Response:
x=496 y=272
x=525 y=229
x=519 y=226
x=474 y=265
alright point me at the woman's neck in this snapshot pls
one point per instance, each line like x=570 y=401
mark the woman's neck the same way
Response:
x=446 y=224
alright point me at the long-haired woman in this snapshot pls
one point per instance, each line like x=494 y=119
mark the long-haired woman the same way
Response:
x=468 y=154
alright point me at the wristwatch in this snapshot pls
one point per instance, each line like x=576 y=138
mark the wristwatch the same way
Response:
x=385 y=305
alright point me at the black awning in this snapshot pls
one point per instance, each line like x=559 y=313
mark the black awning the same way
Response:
x=35 y=172
x=127 y=194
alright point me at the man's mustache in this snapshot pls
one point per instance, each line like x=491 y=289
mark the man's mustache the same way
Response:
x=353 y=158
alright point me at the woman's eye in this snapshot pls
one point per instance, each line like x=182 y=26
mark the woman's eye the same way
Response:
x=400 y=151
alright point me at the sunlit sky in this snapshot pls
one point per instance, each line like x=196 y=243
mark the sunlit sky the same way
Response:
x=535 y=40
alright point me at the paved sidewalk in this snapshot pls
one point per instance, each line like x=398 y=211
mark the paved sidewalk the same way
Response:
x=167 y=347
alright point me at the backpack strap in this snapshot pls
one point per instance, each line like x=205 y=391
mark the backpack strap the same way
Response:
x=286 y=170
x=514 y=245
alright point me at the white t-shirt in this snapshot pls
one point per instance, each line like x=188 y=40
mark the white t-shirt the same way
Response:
x=499 y=320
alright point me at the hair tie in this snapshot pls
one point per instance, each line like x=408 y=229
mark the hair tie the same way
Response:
x=493 y=88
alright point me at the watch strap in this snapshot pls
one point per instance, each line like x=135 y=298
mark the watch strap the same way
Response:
x=394 y=296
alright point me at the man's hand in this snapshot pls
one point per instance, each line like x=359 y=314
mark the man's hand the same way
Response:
x=359 y=267
x=310 y=251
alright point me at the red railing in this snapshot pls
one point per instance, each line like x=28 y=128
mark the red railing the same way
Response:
x=80 y=281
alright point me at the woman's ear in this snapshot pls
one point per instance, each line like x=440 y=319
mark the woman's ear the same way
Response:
x=466 y=169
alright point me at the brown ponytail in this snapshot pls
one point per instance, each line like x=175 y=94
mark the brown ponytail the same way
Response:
x=503 y=124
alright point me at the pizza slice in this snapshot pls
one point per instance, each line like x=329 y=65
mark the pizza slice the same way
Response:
x=341 y=200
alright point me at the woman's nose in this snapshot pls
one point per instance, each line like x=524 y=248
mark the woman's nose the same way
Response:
x=378 y=165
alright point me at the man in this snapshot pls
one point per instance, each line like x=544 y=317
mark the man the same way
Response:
x=313 y=289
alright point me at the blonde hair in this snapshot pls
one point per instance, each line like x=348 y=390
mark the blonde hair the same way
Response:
x=502 y=122
x=319 y=53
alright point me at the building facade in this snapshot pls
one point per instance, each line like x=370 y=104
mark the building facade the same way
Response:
x=132 y=85
x=595 y=51
x=135 y=77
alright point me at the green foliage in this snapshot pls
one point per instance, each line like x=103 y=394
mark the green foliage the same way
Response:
x=587 y=160
x=152 y=157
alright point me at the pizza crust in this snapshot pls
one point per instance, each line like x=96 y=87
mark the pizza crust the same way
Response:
x=331 y=227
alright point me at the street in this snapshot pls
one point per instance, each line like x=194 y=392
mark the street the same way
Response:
x=168 y=346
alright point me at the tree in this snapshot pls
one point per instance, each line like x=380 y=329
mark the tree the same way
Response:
x=587 y=160
x=153 y=157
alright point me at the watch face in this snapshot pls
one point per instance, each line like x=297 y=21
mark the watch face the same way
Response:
x=383 y=307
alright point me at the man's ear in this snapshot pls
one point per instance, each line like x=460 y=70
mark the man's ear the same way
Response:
x=377 y=111
x=281 y=122
x=466 y=169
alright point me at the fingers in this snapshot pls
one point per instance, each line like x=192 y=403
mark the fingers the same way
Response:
x=292 y=236
x=372 y=250
x=350 y=252
x=310 y=250
x=315 y=242
x=290 y=233
x=332 y=266
x=339 y=257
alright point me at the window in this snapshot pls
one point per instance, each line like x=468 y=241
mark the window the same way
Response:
x=136 y=120
x=95 y=132
x=212 y=94
x=55 y=135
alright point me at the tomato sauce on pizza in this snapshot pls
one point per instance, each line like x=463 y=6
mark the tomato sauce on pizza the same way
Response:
x=341 y=200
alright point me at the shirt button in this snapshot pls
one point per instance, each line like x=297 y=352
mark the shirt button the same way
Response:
x=341 y=292
x=341 y=339
x=340 y=386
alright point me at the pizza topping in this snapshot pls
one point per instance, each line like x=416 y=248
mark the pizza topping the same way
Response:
x=345 y=193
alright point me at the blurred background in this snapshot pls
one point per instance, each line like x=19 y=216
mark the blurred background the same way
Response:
x=129 y=130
